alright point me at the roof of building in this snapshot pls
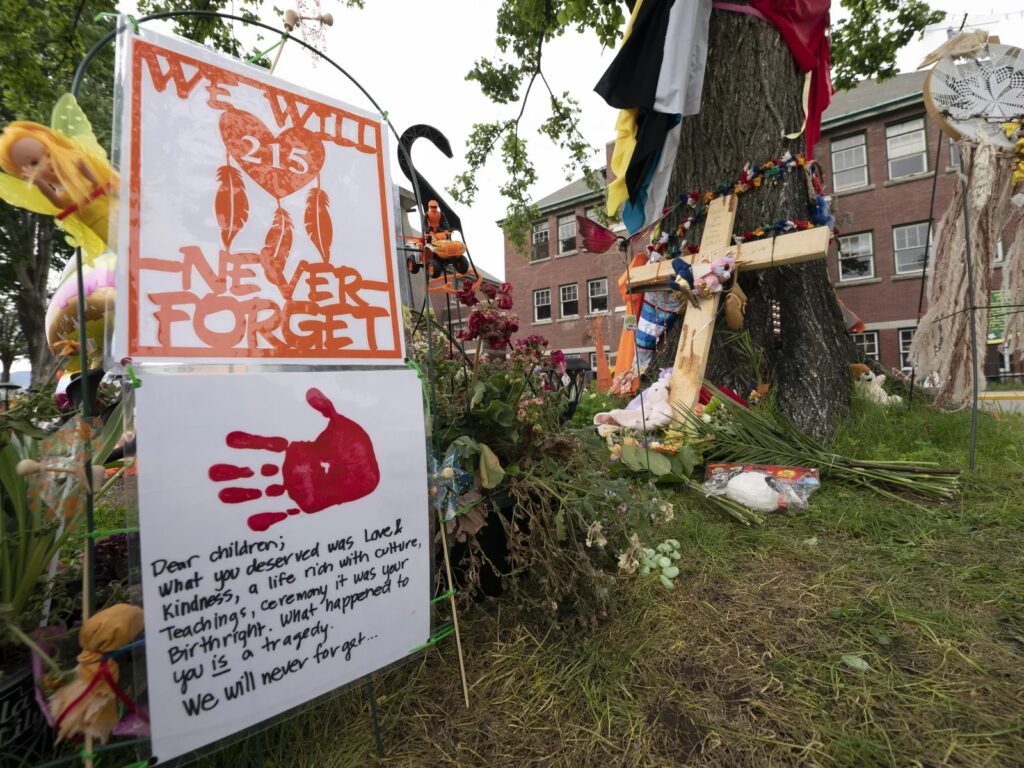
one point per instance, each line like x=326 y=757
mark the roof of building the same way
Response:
x=574 y=191
x=870 y=97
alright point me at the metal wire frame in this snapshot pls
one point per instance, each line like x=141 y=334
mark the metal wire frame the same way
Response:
x=87 y=409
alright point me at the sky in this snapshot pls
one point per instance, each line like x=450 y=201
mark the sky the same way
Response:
x=413 y=56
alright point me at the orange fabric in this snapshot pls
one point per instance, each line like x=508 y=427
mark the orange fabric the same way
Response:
x=627 y=340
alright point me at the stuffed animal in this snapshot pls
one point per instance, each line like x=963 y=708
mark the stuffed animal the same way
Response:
x=869 y=385
x=656 y=412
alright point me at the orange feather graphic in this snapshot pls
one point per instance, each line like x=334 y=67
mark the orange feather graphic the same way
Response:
x=318 y=222
x=230 y=203
x=276 y=248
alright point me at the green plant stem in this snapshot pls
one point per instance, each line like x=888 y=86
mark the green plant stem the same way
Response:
x=34 y=647
x=476 y=365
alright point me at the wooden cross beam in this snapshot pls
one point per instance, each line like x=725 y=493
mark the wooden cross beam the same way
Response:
x=698 y=325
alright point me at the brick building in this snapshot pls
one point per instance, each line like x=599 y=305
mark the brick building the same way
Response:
x=877 y=149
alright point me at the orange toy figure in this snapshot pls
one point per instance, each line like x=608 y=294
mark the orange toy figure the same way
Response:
x=433 y=218
x=61 y=172
x=88 y=704
x=438 y=250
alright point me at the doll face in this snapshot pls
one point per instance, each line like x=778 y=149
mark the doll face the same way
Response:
x=33 y=161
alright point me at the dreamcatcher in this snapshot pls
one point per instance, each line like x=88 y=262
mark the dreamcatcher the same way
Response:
x=975 y=91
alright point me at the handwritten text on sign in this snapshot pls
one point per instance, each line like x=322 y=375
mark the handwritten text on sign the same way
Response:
x=246 y=619
x=257 y=221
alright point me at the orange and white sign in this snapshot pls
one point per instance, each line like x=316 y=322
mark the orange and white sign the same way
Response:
x=255 y=217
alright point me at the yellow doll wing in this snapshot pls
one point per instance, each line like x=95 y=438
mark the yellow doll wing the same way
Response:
x=81 y=236
x=69 y=119
x=23 y=194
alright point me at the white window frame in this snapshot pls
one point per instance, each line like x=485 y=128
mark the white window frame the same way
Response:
x=567 y=221
x=865 y=341
x=954 y=154
x=999 y=256
x=591 y=295
x=593 y=362
x=574 y=291
x=540 y=233
x=539 y=295
x=845 y=159
x=591 y=213
x=846 y=252
x=911 y=140
x=905 y=337
x=896 y=249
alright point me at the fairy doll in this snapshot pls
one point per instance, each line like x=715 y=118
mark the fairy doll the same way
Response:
x=62 y=171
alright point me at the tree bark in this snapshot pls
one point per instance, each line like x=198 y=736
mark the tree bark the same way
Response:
x=752 y=95
x=32 y=272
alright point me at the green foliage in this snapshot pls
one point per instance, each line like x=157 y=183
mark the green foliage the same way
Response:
x=592 y=403
x=862 y=46
x=866 y=44
x=523 y=28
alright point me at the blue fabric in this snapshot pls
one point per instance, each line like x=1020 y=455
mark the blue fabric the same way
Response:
x=633 y=216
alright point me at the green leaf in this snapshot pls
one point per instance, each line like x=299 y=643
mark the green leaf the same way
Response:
x=855 y=662
x=633 y=458
x=689 y=459
x=659 y=463
x=560 y=533
x=670 y=478
x=491 y=473
x=881 y=637
x=478 y=394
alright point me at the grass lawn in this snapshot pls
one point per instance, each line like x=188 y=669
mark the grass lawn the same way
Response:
x=742 y=664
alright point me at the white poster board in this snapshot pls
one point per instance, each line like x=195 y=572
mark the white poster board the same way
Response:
x=255 y=217
x=285 y=541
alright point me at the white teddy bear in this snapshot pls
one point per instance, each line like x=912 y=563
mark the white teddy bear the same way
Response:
x=869 y=385
x=656 y=412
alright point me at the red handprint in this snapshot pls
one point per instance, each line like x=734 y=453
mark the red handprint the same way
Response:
x=338 y=466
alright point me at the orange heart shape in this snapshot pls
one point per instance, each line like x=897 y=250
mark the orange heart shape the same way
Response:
x=281 y=164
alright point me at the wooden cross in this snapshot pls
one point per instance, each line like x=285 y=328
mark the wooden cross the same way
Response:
x=699 y=323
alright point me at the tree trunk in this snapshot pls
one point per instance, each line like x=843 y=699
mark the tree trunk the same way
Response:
x=751 y=97
x=31 y=297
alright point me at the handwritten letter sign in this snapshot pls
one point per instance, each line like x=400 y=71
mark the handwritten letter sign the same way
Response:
x=255 y=217
x=285 y=542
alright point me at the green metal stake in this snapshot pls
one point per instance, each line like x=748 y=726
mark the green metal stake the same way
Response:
x=377 y=741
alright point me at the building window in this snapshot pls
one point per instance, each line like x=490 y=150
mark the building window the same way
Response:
x=541 y=305
x=868 y=343
x=593 y=361
x=539 y=241
x=906 y=337
x=849 y=163
x=570 y=296
x=567 y=233
x=597 y=295
x=592 y=214
x=909 y=243
x=954 y=154
x=856 y=256
x=999 y=256
x=907 y=148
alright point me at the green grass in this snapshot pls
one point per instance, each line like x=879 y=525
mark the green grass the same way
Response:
x=741 y=664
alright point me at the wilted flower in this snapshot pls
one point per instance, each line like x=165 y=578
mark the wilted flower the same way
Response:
x=558 y=361
x=595 y=536
x=629 y=560
x=467 y=294
x=665 y=513
x=505 y=296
